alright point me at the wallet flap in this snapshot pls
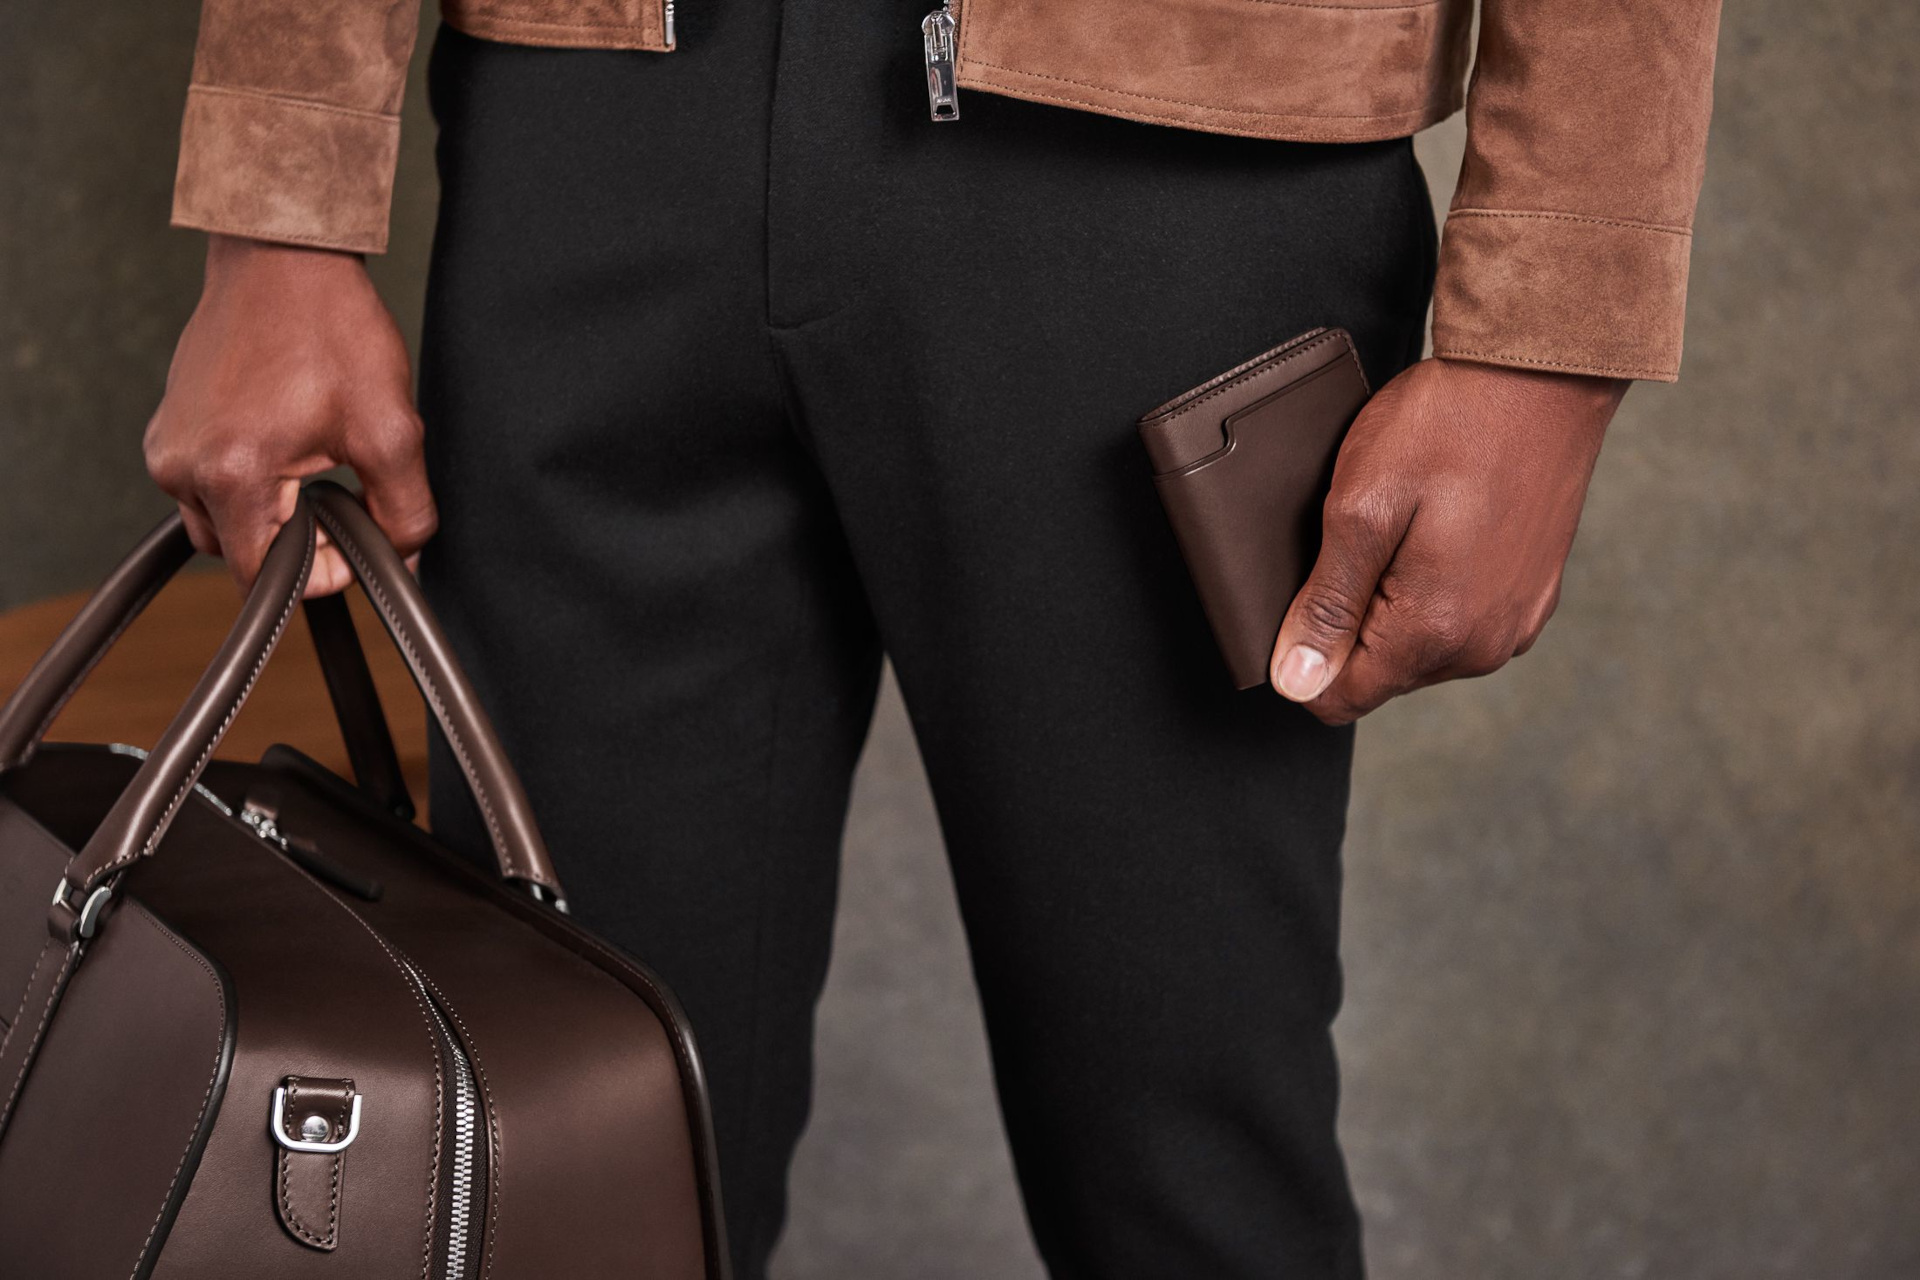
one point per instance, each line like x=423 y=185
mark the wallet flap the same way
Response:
x=1193 y=425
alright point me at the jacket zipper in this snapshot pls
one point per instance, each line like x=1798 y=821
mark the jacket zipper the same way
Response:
x=666 y=23
x=938 y=32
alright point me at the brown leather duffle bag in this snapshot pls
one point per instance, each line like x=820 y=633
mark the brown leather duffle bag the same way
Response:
x=270 y=1028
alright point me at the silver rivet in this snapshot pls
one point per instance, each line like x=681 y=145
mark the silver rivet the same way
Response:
x=315 y=1129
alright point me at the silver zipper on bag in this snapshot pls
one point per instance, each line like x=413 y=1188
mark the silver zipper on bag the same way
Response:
x=465 y=1155
x=938 y=36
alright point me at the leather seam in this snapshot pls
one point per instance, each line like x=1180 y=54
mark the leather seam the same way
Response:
x=206 y=1099
x=297 y=104
x=1552 y=215
x=1410 y=113
x=39 y=1030
x=428 y=686
x=433 y=1045
x=1620 y=371
x=239 y=700
x=1260 y=368
x=25 y=996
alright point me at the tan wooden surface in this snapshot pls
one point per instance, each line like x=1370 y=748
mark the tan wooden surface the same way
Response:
x=134 y=693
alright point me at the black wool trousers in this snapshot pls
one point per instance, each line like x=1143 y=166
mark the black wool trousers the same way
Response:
x=738 y=373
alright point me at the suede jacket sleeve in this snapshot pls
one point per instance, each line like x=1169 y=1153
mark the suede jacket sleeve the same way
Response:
x=1566 y=245
x=292 y=127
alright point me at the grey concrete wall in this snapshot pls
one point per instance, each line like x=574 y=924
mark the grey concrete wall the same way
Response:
x=1633 y=928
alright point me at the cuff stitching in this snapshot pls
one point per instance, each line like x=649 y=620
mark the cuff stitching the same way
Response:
x=1547 y=215
x=299 y=104
x=1504 y=357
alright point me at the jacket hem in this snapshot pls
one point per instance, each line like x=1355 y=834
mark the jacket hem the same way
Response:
x=1282 y=126
x=649 y=37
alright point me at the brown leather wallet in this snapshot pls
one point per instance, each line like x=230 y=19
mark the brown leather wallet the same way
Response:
x=1243 y=463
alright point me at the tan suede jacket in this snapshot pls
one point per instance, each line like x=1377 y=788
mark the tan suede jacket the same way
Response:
x=1565 y=248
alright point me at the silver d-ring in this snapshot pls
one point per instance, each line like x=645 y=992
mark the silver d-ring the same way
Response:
x=278 y=1125
x=87 y=916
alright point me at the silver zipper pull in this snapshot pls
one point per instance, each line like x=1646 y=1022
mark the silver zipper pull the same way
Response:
x=937 y=31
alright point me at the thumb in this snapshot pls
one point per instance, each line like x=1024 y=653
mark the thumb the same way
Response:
x=1357 y=544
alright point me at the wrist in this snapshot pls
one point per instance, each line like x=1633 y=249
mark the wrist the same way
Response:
x=1577 y=399
x=232 y=255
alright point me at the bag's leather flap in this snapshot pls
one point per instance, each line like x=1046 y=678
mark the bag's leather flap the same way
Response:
x=116 y=1105
x=31 y=864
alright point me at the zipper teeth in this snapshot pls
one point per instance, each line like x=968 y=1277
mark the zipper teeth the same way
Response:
x=466 y=1114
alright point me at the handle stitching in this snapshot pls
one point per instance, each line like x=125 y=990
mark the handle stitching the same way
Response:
x=186 y=785
x=427 y=686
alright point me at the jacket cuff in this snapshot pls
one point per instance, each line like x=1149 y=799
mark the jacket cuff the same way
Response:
x=1541 y=290
x=272 y=168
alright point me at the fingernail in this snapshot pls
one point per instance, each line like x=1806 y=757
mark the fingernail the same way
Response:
x=1303 y=673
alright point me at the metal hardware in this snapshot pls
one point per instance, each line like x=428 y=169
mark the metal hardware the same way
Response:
x=543 y=894
x=315 y=1129
x=468 y=1152
x=937 y=33
x=303 y=1143
x=667 y=25
x=263 y=821
x=140 y=753
x=87 y=914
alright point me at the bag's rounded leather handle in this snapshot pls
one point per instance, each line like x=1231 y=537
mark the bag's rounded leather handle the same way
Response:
x=133 y=826
x=139 y=818
x=496 y=789
x=108 y=612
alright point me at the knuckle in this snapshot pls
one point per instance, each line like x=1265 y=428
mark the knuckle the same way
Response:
x=229 y=467
x=1335 y=714
x=1446 y=632
x=1327 y=614
x=1484 y=658
x=1357 y=513
x=388 y=442
x=418 y=525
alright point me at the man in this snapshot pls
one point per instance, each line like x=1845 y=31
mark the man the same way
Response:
x=740 y=370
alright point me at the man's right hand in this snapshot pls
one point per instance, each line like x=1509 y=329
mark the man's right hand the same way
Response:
x=290 y=366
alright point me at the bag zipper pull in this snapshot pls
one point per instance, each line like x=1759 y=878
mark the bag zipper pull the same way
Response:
x=937 y=32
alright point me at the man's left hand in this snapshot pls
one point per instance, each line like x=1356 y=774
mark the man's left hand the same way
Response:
x=1454 y=505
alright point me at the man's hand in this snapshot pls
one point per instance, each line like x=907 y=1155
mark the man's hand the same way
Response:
x=1454 y=504
x=290 y=366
